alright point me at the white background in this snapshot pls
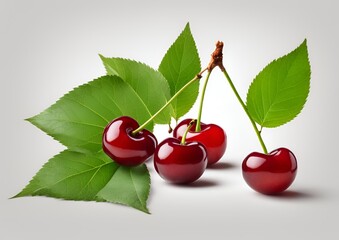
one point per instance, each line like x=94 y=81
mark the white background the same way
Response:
x=49 y=47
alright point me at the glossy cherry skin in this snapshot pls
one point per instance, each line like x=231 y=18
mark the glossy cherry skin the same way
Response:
x=180 y=164
x=211 y=136
x=123 y=147
x=270 y=173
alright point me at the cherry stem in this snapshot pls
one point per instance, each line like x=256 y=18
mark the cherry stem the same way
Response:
x=198 y=125
x=189 y=126
x=245 y=109
x=216 y=60
x=141 y=127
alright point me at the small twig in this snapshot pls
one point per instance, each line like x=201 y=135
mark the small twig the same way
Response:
x=199 y=75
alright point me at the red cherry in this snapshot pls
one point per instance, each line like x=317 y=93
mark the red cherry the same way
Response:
x=211 y=136
x=270 y=173
x=125 y=148
x=180 y=163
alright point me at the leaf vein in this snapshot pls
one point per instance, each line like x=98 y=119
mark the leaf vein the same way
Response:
x=71 y=176
x=135 y=188
x=76 y=101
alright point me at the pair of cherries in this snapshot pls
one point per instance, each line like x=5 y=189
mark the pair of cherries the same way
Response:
x=184 y=162
x=176 y=161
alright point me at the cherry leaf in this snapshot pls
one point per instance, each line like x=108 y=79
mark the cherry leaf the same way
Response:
x=90 y=177
x=128 y=186
x=180 y=64
x=279 y=92
x=78 y=119
x=149 y=84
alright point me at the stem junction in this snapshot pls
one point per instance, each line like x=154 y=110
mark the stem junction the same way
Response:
x=216 y=61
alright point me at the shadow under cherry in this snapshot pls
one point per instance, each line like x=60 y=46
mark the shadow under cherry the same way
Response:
x=200 y=183
x=222 y=166
x=296 y=195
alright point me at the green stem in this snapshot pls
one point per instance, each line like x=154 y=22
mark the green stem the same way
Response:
x=198 y=125
x=245 y=109
x=168 y=103
x=183 y=139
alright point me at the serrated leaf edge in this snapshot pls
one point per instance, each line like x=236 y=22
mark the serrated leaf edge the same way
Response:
x=274 y=61
x=144 y=206
x=32 y=119
x=96 y=198
x=43 y=166
x=167 y=90
x=134 y=61
x=187 y=28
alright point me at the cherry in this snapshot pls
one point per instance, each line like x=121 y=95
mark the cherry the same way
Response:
x=124 y=147
x=270 y=173
x=211 y=136
x=180 y=163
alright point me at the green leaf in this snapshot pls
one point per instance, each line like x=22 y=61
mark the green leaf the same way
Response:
x=148 y=84
x=90 y=177
x=180 y=64
x=280 y=90
x=129 y=186
x=78 y=119
x=71 y=175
